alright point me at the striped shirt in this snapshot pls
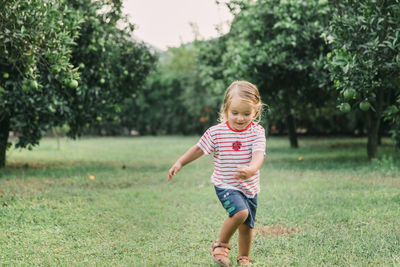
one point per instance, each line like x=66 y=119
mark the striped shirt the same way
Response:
x=232 y=148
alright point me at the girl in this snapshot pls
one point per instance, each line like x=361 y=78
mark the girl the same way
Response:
x=238 y=144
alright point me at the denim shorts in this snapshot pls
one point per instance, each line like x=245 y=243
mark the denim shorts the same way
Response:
x=234 y=201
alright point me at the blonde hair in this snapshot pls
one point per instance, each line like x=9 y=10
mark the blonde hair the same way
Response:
x=247 y=92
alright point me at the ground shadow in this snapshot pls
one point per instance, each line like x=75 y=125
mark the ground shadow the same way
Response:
x=55 y=169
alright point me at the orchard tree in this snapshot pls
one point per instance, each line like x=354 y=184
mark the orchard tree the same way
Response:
x=157 y=107
x=113 y=65
x=188 y=83
x=37 y=79
x=365 y=63
x=204 y=90
x=64 y=62
x=277 y=45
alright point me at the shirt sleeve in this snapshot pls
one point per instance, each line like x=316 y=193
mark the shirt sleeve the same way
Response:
x=206 y=143
x=260 y=141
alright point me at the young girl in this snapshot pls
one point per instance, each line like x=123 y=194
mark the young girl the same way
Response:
x=238 y=144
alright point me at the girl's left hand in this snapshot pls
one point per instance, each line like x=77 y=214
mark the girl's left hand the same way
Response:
x=244 y=172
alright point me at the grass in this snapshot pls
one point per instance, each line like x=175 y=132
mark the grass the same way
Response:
x=323 y=204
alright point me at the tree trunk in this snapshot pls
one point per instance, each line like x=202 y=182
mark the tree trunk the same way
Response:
x=292 y=131
x=373 y=124
x=290 y=123
x=373 y=135
x=4 y=130
x=380 y=138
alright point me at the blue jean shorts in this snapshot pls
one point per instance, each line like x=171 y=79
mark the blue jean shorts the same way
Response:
x=234 y=201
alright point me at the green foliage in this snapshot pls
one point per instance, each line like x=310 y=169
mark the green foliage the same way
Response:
x=278 y=46
x=35 y=52
x=65 y=62
x=210 y=82
x=392 y=115
x=159 y=107
x=366 y=48
x=183 y=95
x=113 y=66
x=365 y=57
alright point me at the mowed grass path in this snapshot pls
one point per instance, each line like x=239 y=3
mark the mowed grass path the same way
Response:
x=330 y=207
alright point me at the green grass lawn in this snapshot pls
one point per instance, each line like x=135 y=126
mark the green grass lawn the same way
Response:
x=329 y=208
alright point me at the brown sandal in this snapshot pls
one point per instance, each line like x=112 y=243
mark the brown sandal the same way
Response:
x=220 y=257
x=243 y=260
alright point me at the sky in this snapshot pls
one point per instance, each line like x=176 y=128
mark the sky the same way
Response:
x=166 y=23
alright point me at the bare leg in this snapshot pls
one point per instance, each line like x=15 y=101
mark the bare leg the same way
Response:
x=231 y=224
x=245 y=239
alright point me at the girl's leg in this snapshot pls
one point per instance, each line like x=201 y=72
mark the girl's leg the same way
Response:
x=231 y=224
x=229 y=227
x=245 y=239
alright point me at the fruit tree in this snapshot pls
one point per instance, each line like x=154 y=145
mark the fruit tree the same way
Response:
x=35 y=53
x=365 y=62
x=278 y=46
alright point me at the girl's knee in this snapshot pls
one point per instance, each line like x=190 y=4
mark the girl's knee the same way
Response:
x=241 y=215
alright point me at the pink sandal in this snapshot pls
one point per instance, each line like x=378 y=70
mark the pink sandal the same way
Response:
x=220 y=257
x=243 y=260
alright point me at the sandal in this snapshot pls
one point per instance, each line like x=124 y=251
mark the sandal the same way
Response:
x=243 y=260
x=220 y=257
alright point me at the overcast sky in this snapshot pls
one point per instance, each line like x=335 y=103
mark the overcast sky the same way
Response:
x=165 y=23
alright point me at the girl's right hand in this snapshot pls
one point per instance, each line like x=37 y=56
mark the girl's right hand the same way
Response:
x=174 y=170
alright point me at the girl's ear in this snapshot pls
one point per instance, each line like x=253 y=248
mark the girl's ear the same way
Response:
x=256 y=114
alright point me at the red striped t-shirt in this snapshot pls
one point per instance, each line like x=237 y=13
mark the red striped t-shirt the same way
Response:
x=232 y=148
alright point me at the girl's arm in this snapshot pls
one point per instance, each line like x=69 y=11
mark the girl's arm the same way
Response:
x=192 y=154
x=244 y=172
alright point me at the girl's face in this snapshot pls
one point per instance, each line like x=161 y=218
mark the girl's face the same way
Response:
x=240 y=113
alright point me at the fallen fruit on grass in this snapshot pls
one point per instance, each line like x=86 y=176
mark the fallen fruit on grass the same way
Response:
x=91 y=177
x=301 y=158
